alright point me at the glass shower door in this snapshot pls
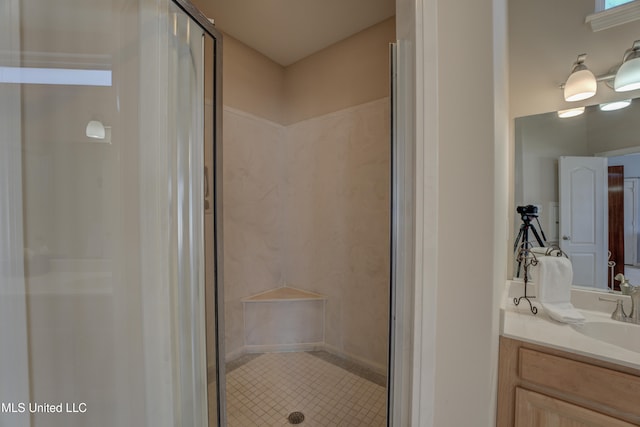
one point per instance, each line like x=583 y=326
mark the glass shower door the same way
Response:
x=70 y=282
x=102 y=213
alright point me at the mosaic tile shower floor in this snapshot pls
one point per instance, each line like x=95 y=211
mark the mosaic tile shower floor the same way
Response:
x=263 y=392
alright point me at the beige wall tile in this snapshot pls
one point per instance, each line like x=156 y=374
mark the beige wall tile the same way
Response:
x=307 y=205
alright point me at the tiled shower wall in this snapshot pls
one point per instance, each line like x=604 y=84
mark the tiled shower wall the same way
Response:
x=253 y=226
x=307 y=205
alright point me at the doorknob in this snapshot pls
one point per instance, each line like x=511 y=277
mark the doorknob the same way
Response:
x=566 y=237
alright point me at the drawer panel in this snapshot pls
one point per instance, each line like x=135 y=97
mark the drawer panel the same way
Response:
x=534 y=409
x=600 y=385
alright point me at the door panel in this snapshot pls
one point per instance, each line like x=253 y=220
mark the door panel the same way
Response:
x=583 y=218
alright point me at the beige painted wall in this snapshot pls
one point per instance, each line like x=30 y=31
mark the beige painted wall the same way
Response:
x=347 y=73
x=251 y=82
x=350 y=72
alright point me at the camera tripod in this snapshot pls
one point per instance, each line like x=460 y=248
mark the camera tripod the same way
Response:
x=524 y=235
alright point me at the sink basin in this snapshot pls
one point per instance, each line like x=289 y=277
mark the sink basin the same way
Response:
x=625 y=335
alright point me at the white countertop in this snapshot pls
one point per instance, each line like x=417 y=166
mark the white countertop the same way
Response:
x=518 y=322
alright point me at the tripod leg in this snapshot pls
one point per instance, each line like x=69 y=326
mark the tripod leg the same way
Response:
x=524 y=231
x=535 y=233
x=515 y=245
x=541 y=230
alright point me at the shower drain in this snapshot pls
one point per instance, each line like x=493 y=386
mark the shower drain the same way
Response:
x=295 y=417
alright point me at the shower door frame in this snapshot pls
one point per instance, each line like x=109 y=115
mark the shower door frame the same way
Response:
x=214 y=256
x=402 y=236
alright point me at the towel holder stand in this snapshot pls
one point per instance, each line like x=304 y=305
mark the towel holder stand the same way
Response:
x=527 y=258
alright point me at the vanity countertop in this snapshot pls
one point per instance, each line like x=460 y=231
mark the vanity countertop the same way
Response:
x=519 y=323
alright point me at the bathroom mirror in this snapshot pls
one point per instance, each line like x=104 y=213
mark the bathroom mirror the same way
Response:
x=540 y=140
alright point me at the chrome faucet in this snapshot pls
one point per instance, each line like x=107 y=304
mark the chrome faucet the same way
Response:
x=634 y=316
x=619 y=314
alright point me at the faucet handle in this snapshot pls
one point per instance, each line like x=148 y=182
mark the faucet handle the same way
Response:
x=635 y=304
x=618 y=313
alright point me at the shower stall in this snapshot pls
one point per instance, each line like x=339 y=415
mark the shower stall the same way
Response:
x=109 y=181
x=307 y=224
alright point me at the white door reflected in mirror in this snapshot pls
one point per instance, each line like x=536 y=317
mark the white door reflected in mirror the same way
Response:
x=583 y=217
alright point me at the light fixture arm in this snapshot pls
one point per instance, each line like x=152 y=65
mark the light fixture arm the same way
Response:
x=632 y=53
x=579 y=64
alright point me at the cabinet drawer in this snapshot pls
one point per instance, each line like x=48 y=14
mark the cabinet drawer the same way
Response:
x=615 y=389
x=535 y=409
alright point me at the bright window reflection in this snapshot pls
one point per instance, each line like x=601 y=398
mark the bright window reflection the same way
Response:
x=55 y=76
x=608 y=4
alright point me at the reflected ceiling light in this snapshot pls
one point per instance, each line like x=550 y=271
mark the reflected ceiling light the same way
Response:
x=628 y=75
x=571 y=112
x=615 y=105
x=96 y=130
x=581 y=84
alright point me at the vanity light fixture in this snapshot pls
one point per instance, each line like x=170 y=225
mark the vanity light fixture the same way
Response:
x=628 y=75
x=581 y=83
x=571 y=112
x=615 y=105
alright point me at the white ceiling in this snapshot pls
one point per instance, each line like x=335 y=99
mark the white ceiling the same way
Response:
x=289 y=30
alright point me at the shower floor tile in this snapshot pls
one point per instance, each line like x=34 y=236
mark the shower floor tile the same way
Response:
x=266 y=389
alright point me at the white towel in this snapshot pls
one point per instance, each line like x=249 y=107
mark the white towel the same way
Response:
x=563 y=312
x=554 y=289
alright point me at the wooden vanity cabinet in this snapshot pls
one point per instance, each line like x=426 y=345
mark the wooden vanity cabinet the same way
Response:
x=540 y=386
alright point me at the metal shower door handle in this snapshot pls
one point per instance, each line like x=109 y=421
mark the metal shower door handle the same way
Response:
x=206 y=189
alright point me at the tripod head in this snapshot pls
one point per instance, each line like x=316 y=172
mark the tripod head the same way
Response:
x=527 y=213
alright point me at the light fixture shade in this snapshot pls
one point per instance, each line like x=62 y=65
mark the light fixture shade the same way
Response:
x=580 y=85
x=628 y=76
x=571 y=112
x=95 y=129
x=615 y=105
